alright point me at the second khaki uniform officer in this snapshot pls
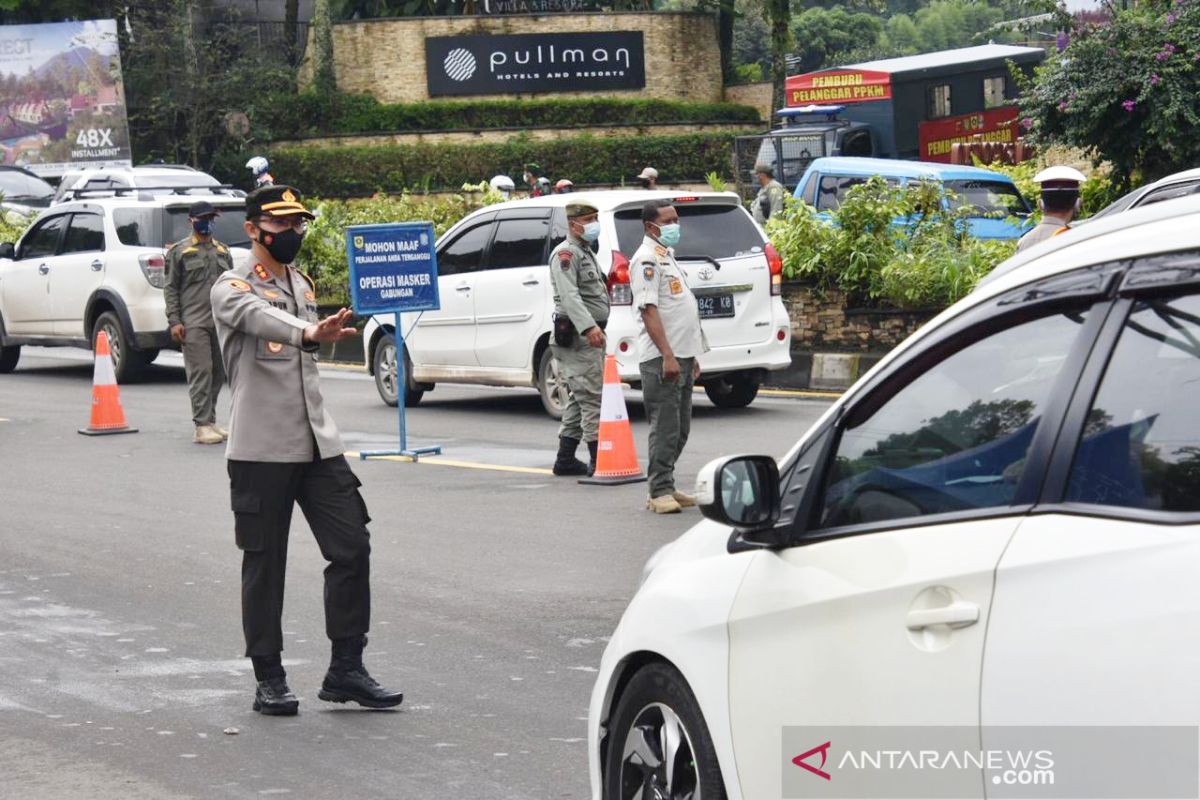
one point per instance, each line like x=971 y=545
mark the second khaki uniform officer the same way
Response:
x=285 y=450
x=769 y=200
x=580 y=316
x=193 y=266
x=670 y=343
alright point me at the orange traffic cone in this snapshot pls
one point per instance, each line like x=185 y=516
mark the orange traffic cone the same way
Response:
x=107 y=415
x=616 y=457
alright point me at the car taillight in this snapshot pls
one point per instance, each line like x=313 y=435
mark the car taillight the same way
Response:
x=154 y=268
x=775 y=263
x=620 y=293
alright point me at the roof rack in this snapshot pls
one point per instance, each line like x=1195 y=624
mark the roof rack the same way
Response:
x=223 y=188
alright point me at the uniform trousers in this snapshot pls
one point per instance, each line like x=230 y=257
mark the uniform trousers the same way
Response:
x=263 y=495
x=205 y=372
x=582 y=367
x=669 y=407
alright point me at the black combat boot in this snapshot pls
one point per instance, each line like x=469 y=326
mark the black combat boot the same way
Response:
x=567 y=463
x=272 y=696
x=347 y=678
x=592 y=459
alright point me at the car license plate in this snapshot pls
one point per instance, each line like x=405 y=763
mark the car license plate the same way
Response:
x=715 y=305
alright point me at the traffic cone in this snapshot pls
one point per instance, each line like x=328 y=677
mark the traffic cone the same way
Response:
x=107 y=415
x=616 y=456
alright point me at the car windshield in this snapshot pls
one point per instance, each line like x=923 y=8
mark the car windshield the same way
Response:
x=708 y=231
x=17 y=187
x=987 y=198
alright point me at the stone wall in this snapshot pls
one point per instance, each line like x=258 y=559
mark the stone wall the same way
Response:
x=386 y=57
x=822 y=321
x=757 y=95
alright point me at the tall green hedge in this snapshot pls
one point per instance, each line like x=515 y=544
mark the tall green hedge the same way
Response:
x=363 y=171
x=310 y=114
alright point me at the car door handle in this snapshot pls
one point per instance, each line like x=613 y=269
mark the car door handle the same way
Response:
x=530 y=282
x=97 y=265
x=43 y=269
x=462 y=288
x=959 y=614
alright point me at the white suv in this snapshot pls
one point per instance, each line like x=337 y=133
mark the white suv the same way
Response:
x=92 y=264
x=150 y=178
x=494 y=324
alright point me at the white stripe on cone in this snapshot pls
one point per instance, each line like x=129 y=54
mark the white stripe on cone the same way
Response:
x=104 y=375
x=612 y=403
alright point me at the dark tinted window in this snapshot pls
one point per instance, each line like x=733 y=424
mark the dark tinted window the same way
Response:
x=810 y=190
x=1170 y=192
x=990 y=198
x=85 y=234
x=138 y=227
x=833 y=190
x=227 y=228
x=465 y=253
x=43 y=241
x=1141 y=441
x=18 y=187
x=716 y=231
x=955 y=438
x=519 y=243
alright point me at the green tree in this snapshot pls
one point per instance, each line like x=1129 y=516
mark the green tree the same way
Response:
x=778 y=14
x=324 y=79
x=1125 y=92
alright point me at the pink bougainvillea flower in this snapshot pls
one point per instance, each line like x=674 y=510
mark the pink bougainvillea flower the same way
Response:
x=1129 y=105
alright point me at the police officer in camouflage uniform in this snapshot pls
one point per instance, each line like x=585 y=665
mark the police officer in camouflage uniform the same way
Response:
x=769 y=200
x=193 y=266
x=284 y=449
x=670 y=343
x=580 y=316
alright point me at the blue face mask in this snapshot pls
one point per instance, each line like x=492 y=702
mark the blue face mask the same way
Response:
x=591 y=231
x=669 y=235
x=202 y=226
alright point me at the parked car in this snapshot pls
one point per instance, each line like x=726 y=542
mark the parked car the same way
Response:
x=152 y=179
x=997 y=525
x=493 y=327
x=23 y=192
x=992 y=196
x=1181 y=184
x=92 y=264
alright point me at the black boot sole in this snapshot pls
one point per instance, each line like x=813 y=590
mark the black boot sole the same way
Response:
x=342 y=697
x=289 y=710
x=571 y=470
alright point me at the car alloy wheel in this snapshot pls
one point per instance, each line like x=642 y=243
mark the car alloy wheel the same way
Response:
x=552 y=385
x=657 y=762
x=385 y=370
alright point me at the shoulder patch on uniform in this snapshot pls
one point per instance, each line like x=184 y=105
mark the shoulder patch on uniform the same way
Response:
x=261 y=272
x=190 y=250
x=564 y=259
x=310 y=297
x=311 y=283
x=241 y=286
x=648 y=272
x=660 y=250
x=222 y=247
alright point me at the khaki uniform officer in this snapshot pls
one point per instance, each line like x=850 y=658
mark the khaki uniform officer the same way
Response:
x=284 y=450
x=193 y=266
x=670 y=342
x=580 y=316
x=769 y=200
x=1059 y=188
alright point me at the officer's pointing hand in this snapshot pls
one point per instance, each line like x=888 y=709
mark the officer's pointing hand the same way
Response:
x=331 y=329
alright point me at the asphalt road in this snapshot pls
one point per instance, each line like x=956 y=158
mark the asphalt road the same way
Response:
x=494 y=585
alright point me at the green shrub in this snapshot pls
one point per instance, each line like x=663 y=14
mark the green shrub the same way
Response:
x=364 y=171
x=895 y=246
x=312 y=114
x=13 y=226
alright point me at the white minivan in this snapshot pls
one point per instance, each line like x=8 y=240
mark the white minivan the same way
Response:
x=493 y=327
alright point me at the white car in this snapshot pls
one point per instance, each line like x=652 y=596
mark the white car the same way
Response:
x=153 y=179
x=998 y=525
x=493 y=327
x=96 y=263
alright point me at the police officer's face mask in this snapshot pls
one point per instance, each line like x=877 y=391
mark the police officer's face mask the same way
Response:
x=202 y=226
x=283 y=246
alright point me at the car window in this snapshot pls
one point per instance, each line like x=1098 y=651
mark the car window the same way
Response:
x=1141 y=442
x=17 y=187
x=832 y=190
x=465 y=253
x=987 y=198
x=955 y=438
x=85 y=234
x=519 y=243
x=810 y=191
x=716 y=231
x=43 y=240
x=1169 y=192
x=227 y=227
x=137 y=227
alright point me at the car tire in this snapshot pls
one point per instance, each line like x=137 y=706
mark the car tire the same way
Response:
x=551 y=385
x=127 y=361
x=732 y=391
x=656 y=701
x=384 y=367
x=9 y=356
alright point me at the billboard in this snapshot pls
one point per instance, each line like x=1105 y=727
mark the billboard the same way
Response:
x=938 y=136
x=534 y=62
x=62 y=102
x=838 y=86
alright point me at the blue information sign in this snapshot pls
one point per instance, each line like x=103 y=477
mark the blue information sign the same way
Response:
x=393 y=267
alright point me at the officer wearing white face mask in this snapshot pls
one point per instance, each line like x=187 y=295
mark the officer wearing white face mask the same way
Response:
x=580 y=316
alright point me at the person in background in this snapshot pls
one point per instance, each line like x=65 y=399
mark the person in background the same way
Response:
x=193 y=265
x=259 y=168
x=532 y=178
x=648 y=178
x=1059 y=201
x=503 y=184
x=564 y=186
x=769 y=200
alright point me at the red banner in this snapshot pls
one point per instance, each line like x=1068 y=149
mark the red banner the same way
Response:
x=994 y=125
x=838 y=86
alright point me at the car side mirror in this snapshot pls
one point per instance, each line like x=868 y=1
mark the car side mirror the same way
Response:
x=742 y=492
x=7 y=250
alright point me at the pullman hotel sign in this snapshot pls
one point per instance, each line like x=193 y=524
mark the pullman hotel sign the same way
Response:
x=534 y=62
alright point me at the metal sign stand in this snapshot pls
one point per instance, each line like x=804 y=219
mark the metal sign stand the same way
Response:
x=416 y=452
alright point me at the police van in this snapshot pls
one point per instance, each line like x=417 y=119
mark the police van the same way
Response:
x=494 y=324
